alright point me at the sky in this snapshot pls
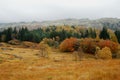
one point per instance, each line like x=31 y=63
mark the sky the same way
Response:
x=42 y=10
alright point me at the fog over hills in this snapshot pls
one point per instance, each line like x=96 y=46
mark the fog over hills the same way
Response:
x=112 y=23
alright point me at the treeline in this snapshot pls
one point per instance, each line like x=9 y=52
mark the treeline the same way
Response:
x=38 y=35
x=52 y=32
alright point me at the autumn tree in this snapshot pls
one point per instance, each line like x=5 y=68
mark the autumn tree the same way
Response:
x=105 y=53
x=107 y=43
x=113 y=37
x=88 y=45
x=91 y=33
x=44 y=49
x=68 y=44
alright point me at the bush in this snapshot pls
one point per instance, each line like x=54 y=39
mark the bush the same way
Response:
x=51 y=42
x=88 y=45
x=68 y=45
x=107 y=43
x=76 y=45
x=44 y=49
x=105 y=53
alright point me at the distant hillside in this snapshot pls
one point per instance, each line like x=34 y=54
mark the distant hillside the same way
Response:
x=112 y=23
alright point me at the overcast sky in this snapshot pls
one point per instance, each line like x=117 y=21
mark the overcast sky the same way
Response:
x=40 y=10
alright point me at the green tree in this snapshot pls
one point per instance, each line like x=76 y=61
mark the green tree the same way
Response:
x=8 y=34
x=104 y=34
x=117 y=33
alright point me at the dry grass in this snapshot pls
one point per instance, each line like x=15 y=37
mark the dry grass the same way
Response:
x=32 y=67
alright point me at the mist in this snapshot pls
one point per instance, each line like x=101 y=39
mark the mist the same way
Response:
x=41 y=10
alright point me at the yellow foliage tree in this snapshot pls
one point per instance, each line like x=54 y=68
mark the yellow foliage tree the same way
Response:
x=113 y=36
x=44 y=49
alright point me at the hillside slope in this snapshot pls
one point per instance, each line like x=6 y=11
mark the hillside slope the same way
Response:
x=112 y=23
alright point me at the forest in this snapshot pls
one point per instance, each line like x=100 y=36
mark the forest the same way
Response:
x=63 y=32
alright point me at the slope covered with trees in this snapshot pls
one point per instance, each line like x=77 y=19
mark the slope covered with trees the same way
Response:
x=39 y=34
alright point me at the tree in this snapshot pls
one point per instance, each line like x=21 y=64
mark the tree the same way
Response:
x=88 y=45
x=15 y=34
x=9 y=34
x=104 y=34
x=117 y=33
x=105 y=53
x=113 y=37
x=44 y=49
x=23 y=33
x=68 y=45
x=110 y=44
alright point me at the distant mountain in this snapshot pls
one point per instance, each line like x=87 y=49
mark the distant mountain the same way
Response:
x=112 y=23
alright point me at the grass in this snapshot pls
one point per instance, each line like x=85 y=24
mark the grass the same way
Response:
x=32 y=67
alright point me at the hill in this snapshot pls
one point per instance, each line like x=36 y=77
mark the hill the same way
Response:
x=112 y=23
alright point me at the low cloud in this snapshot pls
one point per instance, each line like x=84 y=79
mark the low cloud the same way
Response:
x=39 y=10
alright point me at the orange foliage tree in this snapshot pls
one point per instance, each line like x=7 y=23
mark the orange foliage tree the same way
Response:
x=88 y=45
x=107 y=43
x=68 y=44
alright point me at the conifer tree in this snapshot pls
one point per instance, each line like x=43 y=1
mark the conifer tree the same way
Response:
x=104 y=34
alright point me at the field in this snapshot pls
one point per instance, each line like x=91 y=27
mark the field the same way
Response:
x=25 y=64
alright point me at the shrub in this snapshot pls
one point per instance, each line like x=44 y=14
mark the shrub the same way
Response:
x=76 y=45
x=107 y=43
x=51 y=42
x=44 y=49
x=88 y=45
x=105 y=53
x=68 y=45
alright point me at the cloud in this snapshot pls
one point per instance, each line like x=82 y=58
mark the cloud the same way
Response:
x=29 y=10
